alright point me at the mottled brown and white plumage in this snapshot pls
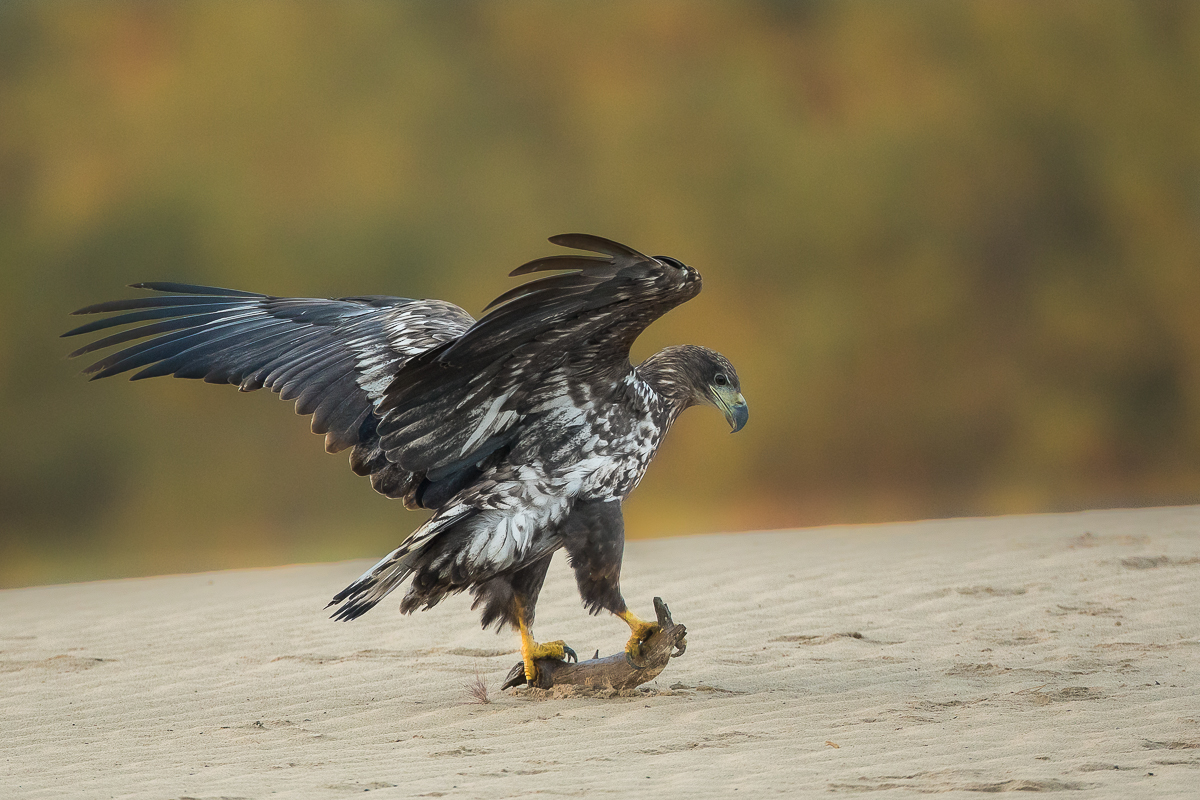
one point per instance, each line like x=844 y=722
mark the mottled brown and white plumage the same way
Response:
x=522 y=431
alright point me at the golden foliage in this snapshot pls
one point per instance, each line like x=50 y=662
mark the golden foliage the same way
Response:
x=954 y=249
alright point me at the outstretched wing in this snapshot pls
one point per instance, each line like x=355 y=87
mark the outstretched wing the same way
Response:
x=546 y=342
x=333 y=357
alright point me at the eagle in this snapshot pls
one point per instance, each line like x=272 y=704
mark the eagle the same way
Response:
x=522 y=431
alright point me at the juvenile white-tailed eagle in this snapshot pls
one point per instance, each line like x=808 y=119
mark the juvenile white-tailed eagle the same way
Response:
x=522 y=431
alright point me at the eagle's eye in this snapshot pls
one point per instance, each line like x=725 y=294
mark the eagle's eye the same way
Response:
x=674 y=262
x=721 y=380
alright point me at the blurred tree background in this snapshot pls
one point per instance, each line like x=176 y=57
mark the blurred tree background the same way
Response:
x=953 y=248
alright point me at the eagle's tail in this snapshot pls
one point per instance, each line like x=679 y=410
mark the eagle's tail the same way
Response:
x=375 y=584
x=392 y=570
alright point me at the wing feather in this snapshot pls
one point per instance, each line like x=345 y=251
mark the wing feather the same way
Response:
x=148 y=314
x=200 y=352
x=562 y=330
x=333 y=357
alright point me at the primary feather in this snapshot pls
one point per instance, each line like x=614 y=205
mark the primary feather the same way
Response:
x=333 y=357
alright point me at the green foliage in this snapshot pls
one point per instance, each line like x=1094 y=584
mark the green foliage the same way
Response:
x=952 y=248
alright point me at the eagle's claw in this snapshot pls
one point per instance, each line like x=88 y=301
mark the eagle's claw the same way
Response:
x=532 y=651
x=641 y=633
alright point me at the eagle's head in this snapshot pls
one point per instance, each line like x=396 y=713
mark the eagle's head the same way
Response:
x=692 y=375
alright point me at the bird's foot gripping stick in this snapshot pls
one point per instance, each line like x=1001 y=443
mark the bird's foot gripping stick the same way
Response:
x=618 y=671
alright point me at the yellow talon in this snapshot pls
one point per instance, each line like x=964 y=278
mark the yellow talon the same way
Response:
x=640 y=631
x=532 y=650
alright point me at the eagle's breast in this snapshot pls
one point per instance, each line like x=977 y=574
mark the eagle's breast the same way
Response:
x=624 y=436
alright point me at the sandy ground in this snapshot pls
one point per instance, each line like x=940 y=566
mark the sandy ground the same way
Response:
x=1044 y=653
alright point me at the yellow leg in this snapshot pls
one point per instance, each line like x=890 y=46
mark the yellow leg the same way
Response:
x=640 y=631
x=531 y=650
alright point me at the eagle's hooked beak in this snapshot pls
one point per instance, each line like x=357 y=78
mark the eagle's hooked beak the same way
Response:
x=733 y=405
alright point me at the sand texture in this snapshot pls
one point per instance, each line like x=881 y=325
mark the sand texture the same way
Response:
x=1042 y=654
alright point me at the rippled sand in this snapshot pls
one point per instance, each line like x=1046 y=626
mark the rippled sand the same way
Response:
x=1043 y=653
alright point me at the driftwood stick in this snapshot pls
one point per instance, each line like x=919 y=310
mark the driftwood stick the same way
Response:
x=617 y=671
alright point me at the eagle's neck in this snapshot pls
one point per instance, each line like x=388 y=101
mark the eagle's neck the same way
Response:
x=663 y=387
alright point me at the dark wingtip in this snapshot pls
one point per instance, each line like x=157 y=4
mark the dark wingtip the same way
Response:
x=89 y=310
x=595 y=244
x=547 y=263
x=192 y=288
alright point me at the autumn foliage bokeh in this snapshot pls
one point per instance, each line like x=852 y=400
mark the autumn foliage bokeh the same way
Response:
x=953 y=248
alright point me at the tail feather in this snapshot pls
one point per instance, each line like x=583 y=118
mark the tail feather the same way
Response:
x=393 y=569
x=377 y=583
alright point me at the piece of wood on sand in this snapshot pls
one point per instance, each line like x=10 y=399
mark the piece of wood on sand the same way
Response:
x=617 y=671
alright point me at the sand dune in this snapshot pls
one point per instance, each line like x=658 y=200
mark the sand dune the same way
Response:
x=1044 y=653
